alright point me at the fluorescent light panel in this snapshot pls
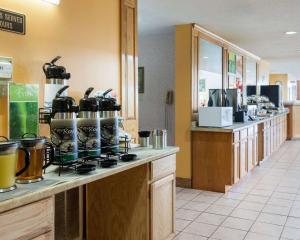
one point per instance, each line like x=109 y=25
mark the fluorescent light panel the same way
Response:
x=290 y=33
x=56 y=2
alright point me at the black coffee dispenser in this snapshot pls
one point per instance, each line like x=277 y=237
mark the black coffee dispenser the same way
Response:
x=63 y=128
x=88 y=126
x=109 y=122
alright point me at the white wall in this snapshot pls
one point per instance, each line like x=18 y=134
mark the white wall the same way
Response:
x=156 y=54
x=290 y=66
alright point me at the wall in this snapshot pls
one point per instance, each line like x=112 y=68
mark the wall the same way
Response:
x=86 y=35
x=183 y=108
x=286 y=65
x=284 y=79
x=156 y=55
x=263 y=72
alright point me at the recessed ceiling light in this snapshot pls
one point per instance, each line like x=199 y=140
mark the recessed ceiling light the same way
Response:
x=205 y=57
x=291 y=33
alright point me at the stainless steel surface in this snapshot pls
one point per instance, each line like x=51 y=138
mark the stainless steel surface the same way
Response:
x=234 y=99
x=21 y=181
x=8 y=189
x=68 y=115
x=56 y=81
x=108 y=114
x=159 y=138
x=215 y=96
x=144 y=141
x=87 y=114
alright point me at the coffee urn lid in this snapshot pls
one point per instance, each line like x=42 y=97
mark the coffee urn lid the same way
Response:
x=64 y=104
x=88 y=104
x=108 y=103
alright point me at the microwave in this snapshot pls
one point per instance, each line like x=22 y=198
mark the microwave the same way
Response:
x=215 y=117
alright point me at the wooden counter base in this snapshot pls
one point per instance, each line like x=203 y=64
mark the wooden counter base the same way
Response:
x=134 y=200
x=221 y=158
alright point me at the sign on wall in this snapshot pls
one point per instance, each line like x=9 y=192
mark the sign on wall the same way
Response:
x=12 y=22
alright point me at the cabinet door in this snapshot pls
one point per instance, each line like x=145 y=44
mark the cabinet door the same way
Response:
x=162 y=208
x=236 y=162
x=243 y=158
x=250 y=154
x=255 y=150
x=129 y=82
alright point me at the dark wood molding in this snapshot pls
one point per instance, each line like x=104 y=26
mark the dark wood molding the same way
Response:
x=183 y=182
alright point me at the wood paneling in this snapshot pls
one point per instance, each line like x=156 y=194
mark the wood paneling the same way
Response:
x=28 y=222
x=183 y=106
x=118 y=206
x=221 y=159
x=212 y=160
x=129 y=81
x=162 y=167
x=163 y=208
x=69 y=218
x=236 y=162
x=290 y=130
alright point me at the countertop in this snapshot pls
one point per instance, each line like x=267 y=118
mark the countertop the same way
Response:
x=238 y=126
x=53 y=184
x=292 y=103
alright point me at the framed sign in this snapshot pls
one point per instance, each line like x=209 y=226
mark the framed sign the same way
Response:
x=12 y=22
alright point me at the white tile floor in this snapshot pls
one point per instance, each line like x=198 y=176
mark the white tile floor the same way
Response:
x=263 y=206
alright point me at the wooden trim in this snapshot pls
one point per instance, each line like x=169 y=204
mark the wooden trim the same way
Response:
x=129 y=66
x=195 y=73
x=183 y=182
x=223 y=42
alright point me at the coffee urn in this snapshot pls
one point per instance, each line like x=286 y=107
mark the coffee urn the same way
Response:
x=109 y=122
x=63 y=128
x=56 y=78
x=88 y=126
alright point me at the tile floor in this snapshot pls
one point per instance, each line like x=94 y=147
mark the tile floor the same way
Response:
x=265 y=205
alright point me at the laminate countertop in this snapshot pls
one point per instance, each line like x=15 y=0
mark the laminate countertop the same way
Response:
x=53 y=184
x=239 y=126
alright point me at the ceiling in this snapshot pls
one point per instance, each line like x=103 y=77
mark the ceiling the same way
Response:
x=255 y=25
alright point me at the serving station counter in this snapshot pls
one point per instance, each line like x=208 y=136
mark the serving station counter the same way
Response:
x=132 y=200
x=222 y=156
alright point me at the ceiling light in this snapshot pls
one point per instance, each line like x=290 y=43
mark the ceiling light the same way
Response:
x=205 y=57
x=56 y=2
x=290 y=33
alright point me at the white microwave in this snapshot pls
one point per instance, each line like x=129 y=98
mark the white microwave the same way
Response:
x=215 y=117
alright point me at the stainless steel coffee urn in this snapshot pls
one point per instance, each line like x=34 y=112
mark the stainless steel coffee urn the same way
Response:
x=88 y=126
x=56 y=78
x=109 y=122
x=159 y=138
x=63 y=128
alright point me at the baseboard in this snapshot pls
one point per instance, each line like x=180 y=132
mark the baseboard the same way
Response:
x=183 y=182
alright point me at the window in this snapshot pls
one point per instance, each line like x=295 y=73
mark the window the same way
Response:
x=210 y=70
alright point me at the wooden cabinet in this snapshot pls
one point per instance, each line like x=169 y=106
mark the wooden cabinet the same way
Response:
x=243 y=158
x=243 y=153
x=129 y=65
x=32 y=221
x=162 y=208
x=236 y=162
x=134 y=204
x=255 y=146
x=221 y=158
x=162 y=194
